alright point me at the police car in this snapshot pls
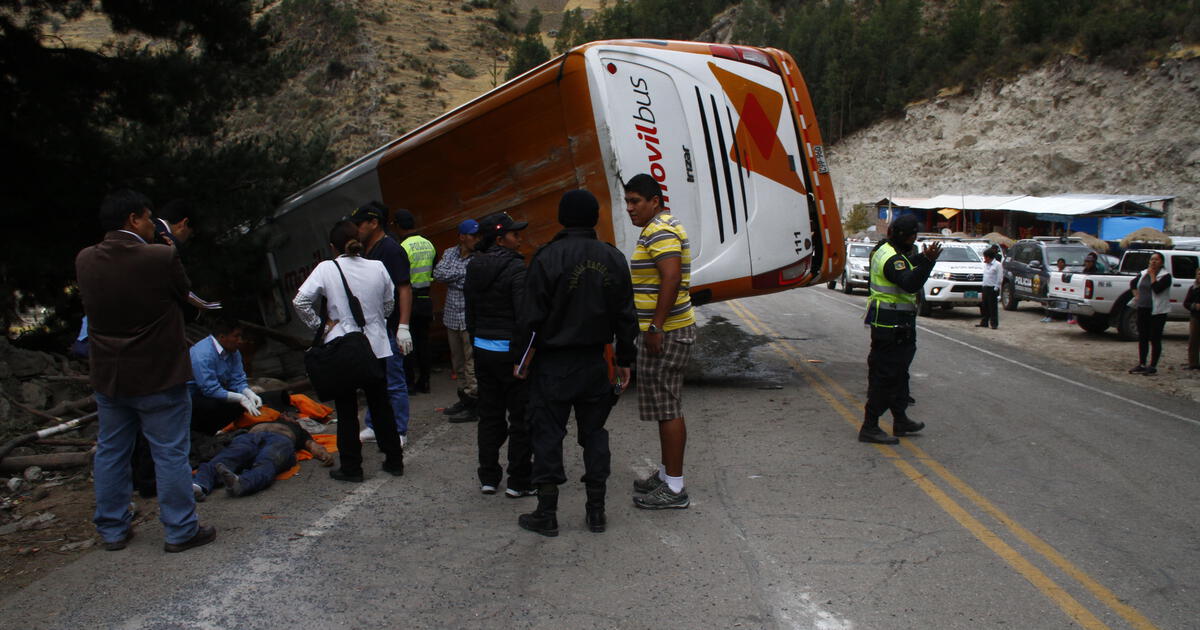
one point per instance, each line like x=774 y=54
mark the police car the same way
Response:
x=956 y=279
x=857 y=273
x=1029 y=263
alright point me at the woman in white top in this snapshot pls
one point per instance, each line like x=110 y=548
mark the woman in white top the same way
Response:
x=370 y=283
x=1152 y=299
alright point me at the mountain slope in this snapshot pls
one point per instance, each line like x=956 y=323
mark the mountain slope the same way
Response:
x=1070 y=127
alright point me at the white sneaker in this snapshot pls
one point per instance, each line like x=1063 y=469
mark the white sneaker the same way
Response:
x=486 y=489
x=367 y=435
x=403 y=441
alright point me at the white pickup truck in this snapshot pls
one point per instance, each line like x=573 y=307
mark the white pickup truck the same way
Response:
x=1101 y=300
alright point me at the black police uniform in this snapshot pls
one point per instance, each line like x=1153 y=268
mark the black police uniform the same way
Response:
x=578 y=297
x=893 y=346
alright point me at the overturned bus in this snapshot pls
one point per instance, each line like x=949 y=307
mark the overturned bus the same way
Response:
x=728 y=131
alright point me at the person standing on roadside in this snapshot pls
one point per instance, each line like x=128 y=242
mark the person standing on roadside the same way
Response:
x=133 y=294
x=373 y=293
x=494 y=290
x=992 y=273
x=661 y=268
x=1152 y=299
x=898 y=273
x=578 y=298
x=371 y=220
x=452 y=271
x=1191 y=303
x=421 y=254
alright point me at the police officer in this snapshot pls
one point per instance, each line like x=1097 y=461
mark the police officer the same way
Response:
x=578 y=298
x=898 y=272
x=421 y=254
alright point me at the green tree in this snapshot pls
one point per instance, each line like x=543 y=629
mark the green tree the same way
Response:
x=528 y=52
x=860 y=217
x=144 y=112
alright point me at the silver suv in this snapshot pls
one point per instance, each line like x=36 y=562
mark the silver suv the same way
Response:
x=857 y=273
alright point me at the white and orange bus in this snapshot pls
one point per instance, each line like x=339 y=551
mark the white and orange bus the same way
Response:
x=728 y=131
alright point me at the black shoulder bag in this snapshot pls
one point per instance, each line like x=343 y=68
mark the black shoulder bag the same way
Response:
x=346 y=363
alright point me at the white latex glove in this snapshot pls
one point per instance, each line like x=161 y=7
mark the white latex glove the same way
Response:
x=404 y=339
x=249 y=393
x=246 y=403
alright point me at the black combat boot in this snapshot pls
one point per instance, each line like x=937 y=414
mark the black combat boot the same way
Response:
x=595 y=509
x=904 y=426
x=467 y=413
x=543 y=520
x=870 y=432
x=458 y=406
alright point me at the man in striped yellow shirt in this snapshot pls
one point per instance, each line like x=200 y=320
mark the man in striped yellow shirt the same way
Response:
x=661 y=270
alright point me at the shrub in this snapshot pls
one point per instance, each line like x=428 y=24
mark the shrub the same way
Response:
x=463 y=70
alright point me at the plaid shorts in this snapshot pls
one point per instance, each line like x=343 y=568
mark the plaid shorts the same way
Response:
x=660 y=378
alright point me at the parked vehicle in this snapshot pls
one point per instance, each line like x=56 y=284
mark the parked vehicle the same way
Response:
x=956 y=279
x=1099 y=301
x=857 y=273
x=1029 y=263
x=729 y=132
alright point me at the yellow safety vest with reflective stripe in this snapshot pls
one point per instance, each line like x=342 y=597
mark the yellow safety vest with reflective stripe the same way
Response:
x=420 y=260
x=887 y=298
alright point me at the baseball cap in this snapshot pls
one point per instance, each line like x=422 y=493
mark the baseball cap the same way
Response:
x=368 y=211
x=904 y=226
x=499 y=223
x=405 y=219
x=470 y=226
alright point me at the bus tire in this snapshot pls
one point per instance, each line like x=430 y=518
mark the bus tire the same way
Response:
x=1127 y=328
x=1008 y=297
x=1093 y=323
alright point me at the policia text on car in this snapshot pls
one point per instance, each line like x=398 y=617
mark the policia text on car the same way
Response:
x=897 y=274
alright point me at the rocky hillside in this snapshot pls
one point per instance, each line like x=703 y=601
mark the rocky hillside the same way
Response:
x=1071 y=127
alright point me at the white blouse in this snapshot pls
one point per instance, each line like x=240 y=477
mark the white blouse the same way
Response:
x=372 y=286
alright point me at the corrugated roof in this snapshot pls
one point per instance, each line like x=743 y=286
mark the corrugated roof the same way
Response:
x=1069 y=204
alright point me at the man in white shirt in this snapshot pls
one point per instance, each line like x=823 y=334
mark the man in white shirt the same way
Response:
x=992 y=273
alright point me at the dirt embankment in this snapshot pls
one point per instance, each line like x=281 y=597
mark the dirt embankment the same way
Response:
x=1070 y=127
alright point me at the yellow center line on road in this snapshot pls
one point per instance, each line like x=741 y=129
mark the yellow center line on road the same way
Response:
x=1099 y=591
x=1024 y=567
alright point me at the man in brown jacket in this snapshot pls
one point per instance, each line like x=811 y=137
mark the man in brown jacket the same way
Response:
x=132 y=293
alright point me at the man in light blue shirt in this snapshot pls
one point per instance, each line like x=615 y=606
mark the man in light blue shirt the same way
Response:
x=219 y=389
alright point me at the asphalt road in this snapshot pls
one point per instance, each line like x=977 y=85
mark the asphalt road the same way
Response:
x=1039 y=497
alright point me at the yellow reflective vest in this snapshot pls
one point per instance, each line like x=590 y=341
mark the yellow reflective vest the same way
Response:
x=420 y=260
x=888 y=305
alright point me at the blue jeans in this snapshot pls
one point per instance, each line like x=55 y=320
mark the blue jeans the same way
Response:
x=397 y=389
x=255 y=457
x=165 y=419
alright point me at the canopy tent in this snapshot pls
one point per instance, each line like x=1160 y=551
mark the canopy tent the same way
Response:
x=1069 y=205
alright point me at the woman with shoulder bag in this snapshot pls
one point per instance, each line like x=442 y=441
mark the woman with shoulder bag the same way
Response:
x=1152 y=299
x=358 y=295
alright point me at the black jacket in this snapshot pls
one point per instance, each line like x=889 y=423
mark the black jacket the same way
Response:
x=494 y=289
x=579 y=294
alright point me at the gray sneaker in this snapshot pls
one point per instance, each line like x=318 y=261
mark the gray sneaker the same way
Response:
x=661 y=498
x=647 y=485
